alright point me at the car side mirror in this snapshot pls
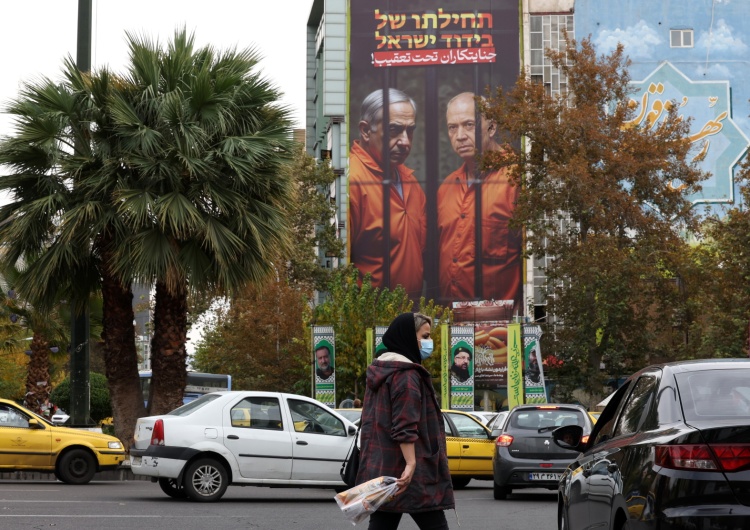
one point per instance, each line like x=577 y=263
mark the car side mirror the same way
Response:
x=34 y=424
x=495 y=433
x=352 y=430
x=568 y=437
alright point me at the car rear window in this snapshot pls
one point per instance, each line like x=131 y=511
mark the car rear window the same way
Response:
x=711 y=394
x=535 y=419
x=191 y=407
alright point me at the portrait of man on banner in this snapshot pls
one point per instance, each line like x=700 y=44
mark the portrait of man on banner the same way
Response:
x=462 y=368
x=324 y=360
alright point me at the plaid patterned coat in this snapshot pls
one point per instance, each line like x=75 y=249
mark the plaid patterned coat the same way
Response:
x=400 y=407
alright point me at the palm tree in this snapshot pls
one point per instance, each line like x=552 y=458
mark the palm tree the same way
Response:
x=206 y=142
x=61 y=219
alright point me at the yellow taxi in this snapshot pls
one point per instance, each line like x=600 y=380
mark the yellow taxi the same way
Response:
x=470 y=448
x=470 y=445
x=31 y=443
x=594 y=415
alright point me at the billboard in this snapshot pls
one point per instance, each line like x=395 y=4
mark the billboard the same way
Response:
x=422 y=213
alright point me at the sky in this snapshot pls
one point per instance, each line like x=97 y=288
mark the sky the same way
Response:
x=38 y=34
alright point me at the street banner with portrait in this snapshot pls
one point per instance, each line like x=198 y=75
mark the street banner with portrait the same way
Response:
x=324 y=362
x=422 y=214
x=462 y=367
x=515 y=368
x=533 y=373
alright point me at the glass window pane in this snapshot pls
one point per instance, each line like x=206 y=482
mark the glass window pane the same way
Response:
x=674 y=38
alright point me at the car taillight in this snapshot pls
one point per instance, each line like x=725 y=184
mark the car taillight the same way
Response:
x=504 y=440
x=701 y=457
x=585 y=438
x=157 y=435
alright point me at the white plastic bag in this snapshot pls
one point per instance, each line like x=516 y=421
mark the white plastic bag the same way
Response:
x=360 y=501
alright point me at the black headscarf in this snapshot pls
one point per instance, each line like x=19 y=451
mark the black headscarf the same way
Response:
x=401 y=337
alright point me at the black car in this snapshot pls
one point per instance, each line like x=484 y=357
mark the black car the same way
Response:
x=526 y=455
x=670 y=451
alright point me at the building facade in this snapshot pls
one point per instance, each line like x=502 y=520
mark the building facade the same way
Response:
x=690 y=53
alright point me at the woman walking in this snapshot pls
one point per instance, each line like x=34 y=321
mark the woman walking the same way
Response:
x=402 y=433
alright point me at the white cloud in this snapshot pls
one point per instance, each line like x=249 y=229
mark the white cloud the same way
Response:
x=721 y=40
x=638 y=40
x=714 y=72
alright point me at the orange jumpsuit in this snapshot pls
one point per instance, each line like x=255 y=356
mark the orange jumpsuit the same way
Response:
x=501 y=246
x=408 y=223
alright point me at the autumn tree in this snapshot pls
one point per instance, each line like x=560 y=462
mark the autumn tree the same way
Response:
x=722 y=330
x=606 y=197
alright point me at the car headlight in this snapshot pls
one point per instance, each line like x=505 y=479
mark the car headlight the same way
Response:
x=115 y=445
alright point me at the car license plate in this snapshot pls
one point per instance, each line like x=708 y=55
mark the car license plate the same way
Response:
x=545 y=476
x=136 y=461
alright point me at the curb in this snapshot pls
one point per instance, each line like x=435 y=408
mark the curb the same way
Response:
x=118 y=475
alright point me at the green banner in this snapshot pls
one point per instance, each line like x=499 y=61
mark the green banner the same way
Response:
x=445 y=387
x=324 y=363
x=462 y=367
x=370 y=344
x=533 y=373
x=515 y=370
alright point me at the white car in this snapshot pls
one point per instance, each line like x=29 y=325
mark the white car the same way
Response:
x=59 y=417
x=243 y=438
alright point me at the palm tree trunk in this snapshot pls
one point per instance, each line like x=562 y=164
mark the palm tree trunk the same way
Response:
x=168 y=353
x=37 y=378
x=121 y=356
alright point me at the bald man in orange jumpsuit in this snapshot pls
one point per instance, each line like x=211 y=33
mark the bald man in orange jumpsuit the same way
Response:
x=501 y=245
x=408 y=224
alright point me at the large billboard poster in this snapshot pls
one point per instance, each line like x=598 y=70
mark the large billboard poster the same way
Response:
x=422 y=213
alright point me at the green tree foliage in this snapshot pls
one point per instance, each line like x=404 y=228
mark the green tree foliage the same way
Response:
x=351 y=309
x=607 y=199
x=313 y=222
x=101 y=406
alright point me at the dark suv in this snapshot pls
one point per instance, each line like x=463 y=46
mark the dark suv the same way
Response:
x=526 y=455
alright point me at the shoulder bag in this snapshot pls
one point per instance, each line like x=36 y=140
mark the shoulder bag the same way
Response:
x=350 y=466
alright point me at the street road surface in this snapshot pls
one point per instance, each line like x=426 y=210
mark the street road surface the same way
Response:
x=141 y=504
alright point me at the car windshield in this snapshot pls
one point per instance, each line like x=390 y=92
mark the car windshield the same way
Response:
x=535 y=419
x=712 y=394
x=350 y=414
x=191 y=407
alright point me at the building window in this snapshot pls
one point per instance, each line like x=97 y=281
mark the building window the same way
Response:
x=548 y=31
x=680 y=38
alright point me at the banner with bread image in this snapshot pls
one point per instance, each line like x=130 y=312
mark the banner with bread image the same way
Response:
x=491 y=353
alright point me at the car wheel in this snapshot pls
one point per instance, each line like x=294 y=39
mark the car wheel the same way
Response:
x=500 y=492
x=171 y=487
x=460 y=483
x=77 y=466
x=205 y=480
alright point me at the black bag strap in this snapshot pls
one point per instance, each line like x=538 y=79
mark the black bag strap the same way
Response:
x=351 y=448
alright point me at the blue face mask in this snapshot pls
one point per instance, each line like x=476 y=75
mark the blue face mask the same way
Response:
x=425 y=349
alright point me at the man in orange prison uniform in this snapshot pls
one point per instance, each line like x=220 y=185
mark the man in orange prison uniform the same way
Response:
x=408 y=224
x=501 y=245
